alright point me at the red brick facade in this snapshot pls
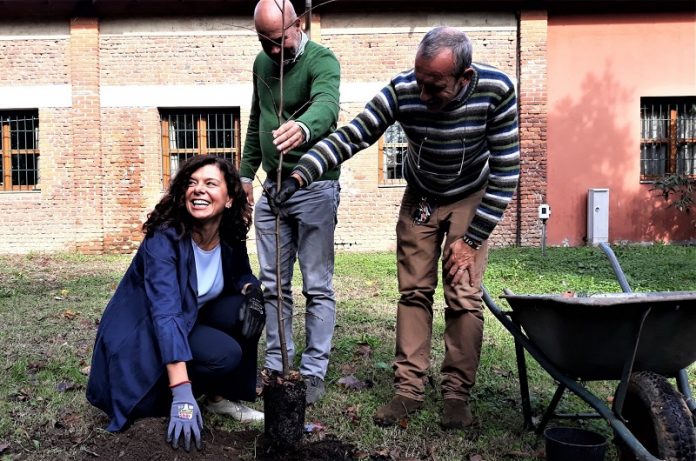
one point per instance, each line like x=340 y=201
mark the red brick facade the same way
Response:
x=86 y=158
x=101 y=156
x=533 y=122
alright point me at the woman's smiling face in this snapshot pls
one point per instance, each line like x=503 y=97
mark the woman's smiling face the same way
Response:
x=206 y=194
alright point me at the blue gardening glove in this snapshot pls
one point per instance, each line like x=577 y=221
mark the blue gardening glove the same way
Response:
x=252 y=314
x=185 y=418
x=277 y=199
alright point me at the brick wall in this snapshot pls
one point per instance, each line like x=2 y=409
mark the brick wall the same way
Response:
x=132 y=174
x=31 y=220
x=101 y=162
x=85 y=156
x=177 y=60
x=533 y=114
x=20 y=55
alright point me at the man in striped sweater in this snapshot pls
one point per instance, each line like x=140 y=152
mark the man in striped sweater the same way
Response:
x=461 y=169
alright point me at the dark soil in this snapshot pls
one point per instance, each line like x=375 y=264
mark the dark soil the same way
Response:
x=144 y=441
x=284 y=407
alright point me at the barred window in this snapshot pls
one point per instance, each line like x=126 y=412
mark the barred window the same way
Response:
x=392 y=150
x=668 y=137
x=190 y=132
x=19 y=150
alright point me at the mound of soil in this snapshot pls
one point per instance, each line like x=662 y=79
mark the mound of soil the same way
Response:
x=145 y=440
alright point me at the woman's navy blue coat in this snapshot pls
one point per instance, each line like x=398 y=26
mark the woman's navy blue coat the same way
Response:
x=147 y=322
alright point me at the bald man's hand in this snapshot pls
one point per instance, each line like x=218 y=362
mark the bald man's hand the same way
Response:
x=288 y=136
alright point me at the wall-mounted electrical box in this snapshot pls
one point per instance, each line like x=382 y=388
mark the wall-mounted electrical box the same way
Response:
x=597 y=216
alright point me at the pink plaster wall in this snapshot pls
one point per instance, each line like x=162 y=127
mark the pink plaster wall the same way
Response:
x=598 y=69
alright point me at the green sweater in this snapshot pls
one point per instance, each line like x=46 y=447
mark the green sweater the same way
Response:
x=311 y=96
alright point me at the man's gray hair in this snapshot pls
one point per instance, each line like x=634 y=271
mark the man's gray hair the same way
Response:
x=447 y=37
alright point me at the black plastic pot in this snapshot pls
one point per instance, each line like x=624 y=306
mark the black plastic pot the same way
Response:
x=284 y=413
x=573 y=444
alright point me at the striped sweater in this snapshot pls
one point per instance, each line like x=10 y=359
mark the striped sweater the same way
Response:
x=471 y=143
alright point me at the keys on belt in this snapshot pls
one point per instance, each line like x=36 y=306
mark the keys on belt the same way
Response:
x=423 y=211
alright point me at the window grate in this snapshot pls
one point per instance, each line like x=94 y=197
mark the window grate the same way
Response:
x=19 y=149
x=393 y=149
x=668 y=137
x=186 y=133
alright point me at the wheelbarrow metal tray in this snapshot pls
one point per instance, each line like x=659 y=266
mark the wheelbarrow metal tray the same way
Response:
x=591 y=337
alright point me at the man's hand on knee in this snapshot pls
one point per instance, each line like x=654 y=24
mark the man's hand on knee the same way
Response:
x=459 y=264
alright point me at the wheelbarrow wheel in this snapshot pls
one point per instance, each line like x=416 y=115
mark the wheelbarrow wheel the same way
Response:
x=658 y=417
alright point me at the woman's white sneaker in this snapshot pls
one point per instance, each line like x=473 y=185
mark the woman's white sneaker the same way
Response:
x=236 y=410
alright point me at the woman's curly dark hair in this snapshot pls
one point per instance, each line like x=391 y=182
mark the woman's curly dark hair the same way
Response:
x=171 y=210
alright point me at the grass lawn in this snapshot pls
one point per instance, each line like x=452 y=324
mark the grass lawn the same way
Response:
x=50 y=306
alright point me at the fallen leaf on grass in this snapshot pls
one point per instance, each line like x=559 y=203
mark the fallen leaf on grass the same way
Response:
x=364 y=350
x=21 y=395
x=348 y=369
x=431 y=450
x=382 y=454
x=353 y=383
x=403 y=424
x=64 y=387
x=501 y=372
x=61 y=295
x=69 y=314
x=34 y=367
x=352 y=414
x=86 y=370
x=70 y=420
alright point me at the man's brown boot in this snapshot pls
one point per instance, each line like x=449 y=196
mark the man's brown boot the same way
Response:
x=456 y=414
x=396 y=410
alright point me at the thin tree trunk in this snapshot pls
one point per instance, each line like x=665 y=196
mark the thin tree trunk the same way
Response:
x=279 y=177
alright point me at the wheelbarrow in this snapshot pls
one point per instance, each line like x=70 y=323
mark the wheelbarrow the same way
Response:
x=637 y=339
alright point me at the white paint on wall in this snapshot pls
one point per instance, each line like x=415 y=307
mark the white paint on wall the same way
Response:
x=159 y=27
x=211 y=95
x=21 y=30
x=415 y=22
x=360 y=92
x=232 y=95
x=229 y=95
x=35 y=96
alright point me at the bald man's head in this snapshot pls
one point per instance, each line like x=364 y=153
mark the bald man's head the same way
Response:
x=272 y=24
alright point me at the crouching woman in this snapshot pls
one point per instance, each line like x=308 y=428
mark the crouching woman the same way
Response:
x=186 y=318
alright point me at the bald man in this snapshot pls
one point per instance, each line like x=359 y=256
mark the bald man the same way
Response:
x=311 y=77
